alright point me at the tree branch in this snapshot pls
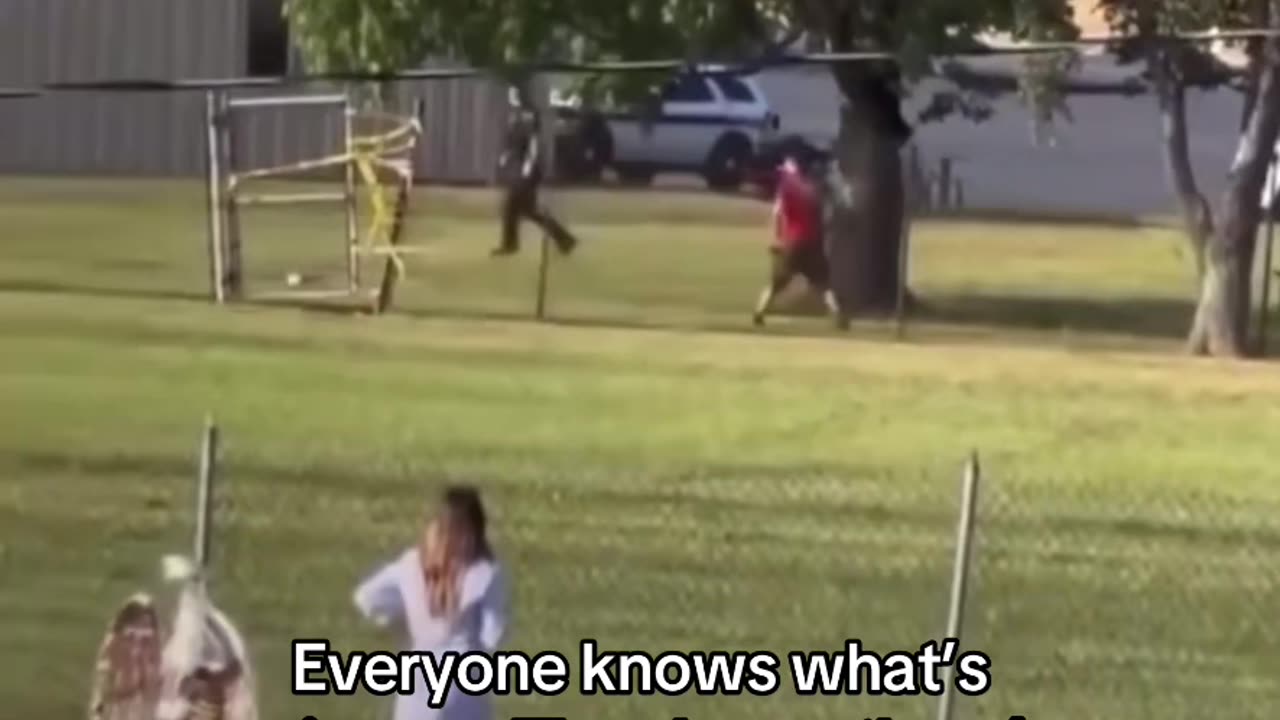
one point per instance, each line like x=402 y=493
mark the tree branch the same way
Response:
x=994 y=82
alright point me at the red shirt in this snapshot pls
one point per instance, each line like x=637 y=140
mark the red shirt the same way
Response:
x=795 y=211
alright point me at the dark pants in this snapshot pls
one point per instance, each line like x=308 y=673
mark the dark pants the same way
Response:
x=808 y=261
x=521 y=203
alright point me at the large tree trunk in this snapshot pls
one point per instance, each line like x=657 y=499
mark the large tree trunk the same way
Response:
x=1197 y=216
x=1221 y=323
x=1222 y=317
x=866 y=200
x=1169 y=80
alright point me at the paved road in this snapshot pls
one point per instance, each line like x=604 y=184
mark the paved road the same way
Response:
x=1108 y=160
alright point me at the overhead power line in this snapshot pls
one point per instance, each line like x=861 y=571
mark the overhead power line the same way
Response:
x=708 y=67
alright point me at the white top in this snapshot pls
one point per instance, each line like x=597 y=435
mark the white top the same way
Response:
x=396 y=594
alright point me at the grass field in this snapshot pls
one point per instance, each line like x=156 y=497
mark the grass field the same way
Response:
x=660 y=477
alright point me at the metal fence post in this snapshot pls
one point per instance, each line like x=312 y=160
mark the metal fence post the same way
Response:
x=910 y=203
x=544 y=268
x=960 y=575
x=352 y=202
x=545 y=138
x=213 y=187
x=1264 y=306
x=233 y=266
x=204 y=494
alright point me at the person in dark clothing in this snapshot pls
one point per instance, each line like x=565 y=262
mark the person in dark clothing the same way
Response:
x=520 y=169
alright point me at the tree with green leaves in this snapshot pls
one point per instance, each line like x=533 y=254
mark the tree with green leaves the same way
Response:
x=867 y=206
x=1222 y=236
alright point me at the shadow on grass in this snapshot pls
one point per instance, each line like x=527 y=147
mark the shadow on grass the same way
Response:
x=669 y=488
x=42 y=287
x=1037 y=217
x=727 y=326
x=1139 y=317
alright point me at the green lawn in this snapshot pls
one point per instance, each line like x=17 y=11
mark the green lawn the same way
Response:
x=653 y=488
x=650 y=258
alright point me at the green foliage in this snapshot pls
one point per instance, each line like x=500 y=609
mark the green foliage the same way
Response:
x=369 y=36
x=381 y=35
x=1189 y=64
x=1136 y=17
x=1041 y=84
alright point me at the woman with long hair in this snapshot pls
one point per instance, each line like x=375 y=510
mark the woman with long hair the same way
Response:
x=126 y=683
x=448 y=594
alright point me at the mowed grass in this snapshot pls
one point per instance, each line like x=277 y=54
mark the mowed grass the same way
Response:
x=652 y=488
x=649 y=258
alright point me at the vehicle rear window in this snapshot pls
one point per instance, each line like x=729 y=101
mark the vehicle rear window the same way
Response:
x=735 y=90
x=687 y=88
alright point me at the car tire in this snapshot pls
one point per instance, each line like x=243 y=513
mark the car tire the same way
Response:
x=726 y=166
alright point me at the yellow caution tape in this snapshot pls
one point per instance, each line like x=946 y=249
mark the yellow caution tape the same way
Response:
x=382 y=218
x=390 y=151
x=369 y=154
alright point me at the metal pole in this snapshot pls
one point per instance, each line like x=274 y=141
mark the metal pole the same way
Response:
x=419 y=116
x=1264 y=310
x=544 y=267
x=204 y=493
x=291 y=198
x=1265 y=307
x=391 y=268
x=233 y=267
x=544 y=136
x=349 y=188
x=960 y=575
x=904 y=257
x=944 y=185
x=404 y=192
x=213 y=188
x=289 y=101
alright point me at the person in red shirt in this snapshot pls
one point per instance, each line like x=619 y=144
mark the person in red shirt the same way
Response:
x=797 y=247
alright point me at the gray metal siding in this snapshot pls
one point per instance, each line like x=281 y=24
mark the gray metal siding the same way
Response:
x=145 y=134
x=462 y=127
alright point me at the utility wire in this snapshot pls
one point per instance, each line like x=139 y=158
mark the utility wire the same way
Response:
x=710 y=67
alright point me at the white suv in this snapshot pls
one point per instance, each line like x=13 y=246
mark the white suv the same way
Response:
x=712 y=125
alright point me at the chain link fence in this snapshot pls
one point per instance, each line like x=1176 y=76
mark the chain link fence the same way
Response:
x=1150 y=608
x=1141 y=609
x=1073 y=237
x=1094 y=595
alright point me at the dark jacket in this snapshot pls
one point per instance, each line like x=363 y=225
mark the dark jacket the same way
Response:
x=521 y=163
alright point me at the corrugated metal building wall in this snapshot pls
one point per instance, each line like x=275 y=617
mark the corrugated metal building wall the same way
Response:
x=141 y=134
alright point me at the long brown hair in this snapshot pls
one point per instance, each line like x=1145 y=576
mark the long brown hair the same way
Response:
x=453 y=540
